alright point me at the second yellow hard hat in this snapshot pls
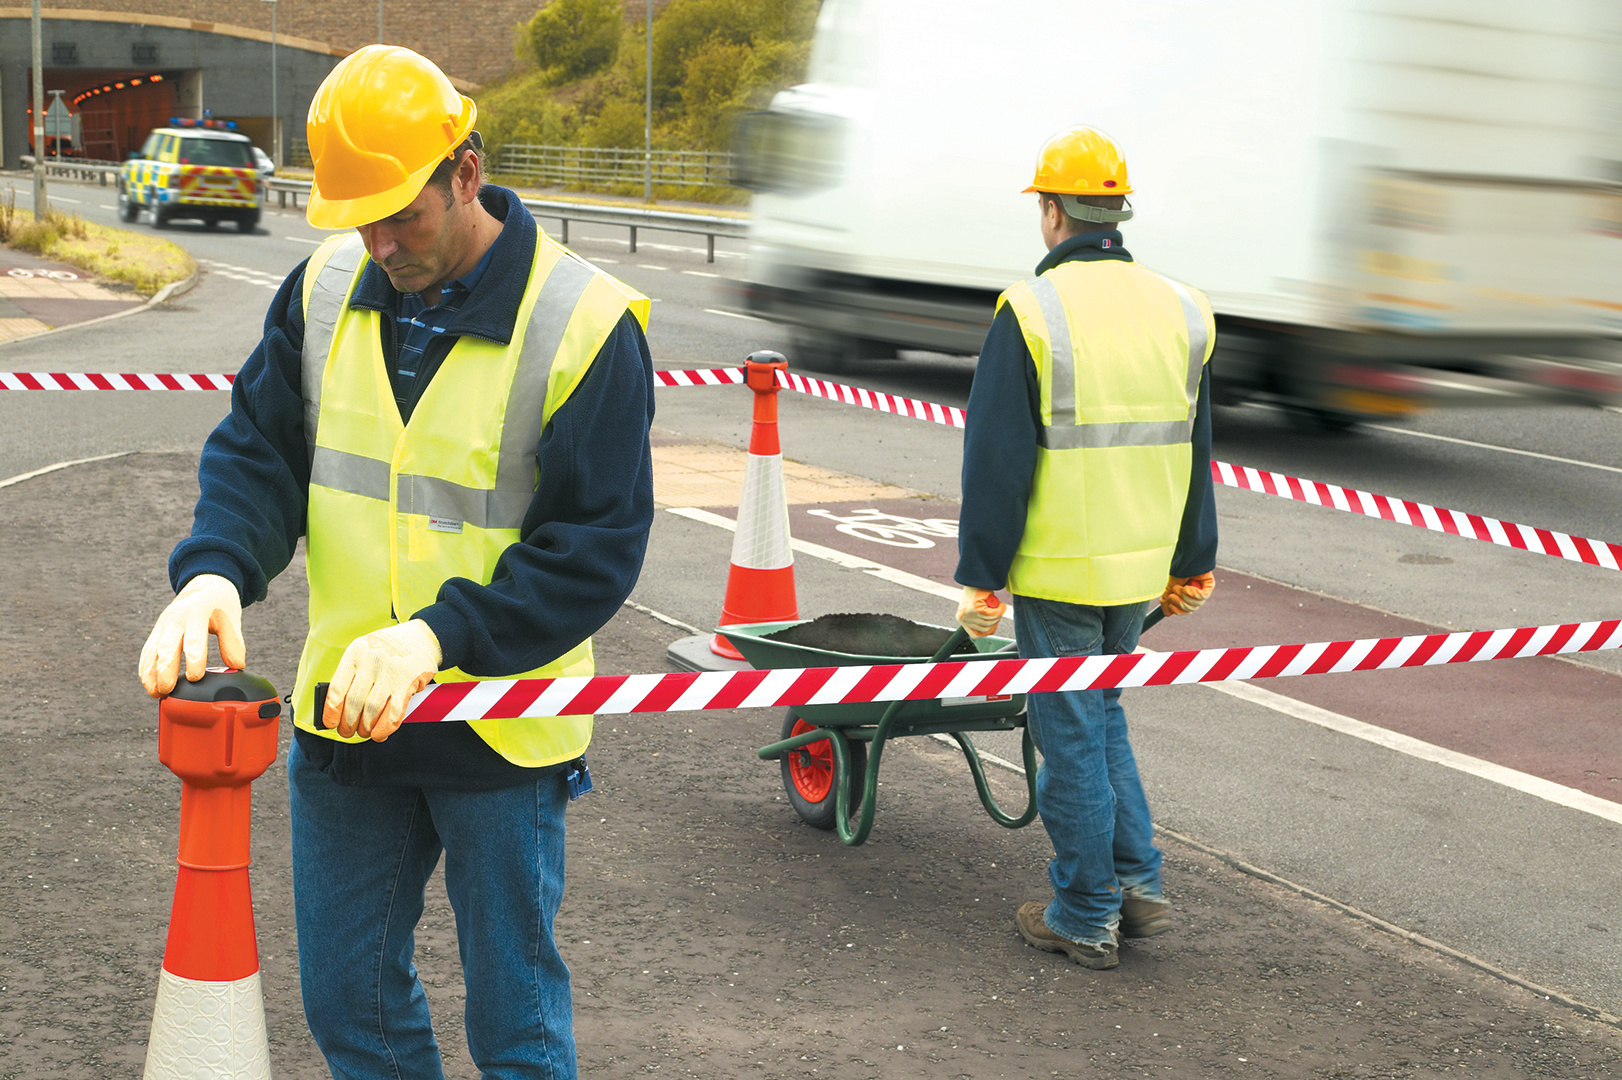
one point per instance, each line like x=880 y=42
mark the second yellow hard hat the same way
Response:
x=1081 y=161
x=379 y=124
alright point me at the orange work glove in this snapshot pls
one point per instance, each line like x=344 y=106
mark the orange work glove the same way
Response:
x=980 y=611
x=376 y=677
x=1184 y=595
x=209 y=604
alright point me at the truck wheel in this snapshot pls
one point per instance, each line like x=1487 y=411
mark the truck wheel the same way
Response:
x=160 y=217
x=1320 y=421
x=833 y=354
x=127 y=210
x=808 y=774
x=248 y=224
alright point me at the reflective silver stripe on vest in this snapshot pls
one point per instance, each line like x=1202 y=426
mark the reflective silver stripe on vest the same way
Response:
x=343 y=471
x=433 y=497
x=560 y=294
x=327 y=294
x=1066 y=433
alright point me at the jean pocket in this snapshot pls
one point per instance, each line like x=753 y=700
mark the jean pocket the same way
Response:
x=1070 y=629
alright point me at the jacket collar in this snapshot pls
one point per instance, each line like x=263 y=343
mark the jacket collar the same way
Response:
x=1085 y=247
x=491 y=309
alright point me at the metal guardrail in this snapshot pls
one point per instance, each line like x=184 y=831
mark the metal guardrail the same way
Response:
x=708 y=226
x=565 y=165
x=70 y=169
x=633 y=218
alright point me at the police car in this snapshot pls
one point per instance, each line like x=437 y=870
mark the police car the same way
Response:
x=192 y=169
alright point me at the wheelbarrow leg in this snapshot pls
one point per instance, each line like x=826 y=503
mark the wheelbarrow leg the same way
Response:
x=987 y=799
x=851 y=837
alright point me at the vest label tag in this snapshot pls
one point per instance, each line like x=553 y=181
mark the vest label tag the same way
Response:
x=439 y=524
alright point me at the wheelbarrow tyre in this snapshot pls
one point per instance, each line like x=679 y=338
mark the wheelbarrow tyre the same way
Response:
x=808 y=775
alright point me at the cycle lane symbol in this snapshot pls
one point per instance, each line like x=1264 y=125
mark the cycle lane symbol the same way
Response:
x=893 y=530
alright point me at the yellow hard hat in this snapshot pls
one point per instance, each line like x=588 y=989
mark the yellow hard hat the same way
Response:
x=379 y=124
x=1079 y=161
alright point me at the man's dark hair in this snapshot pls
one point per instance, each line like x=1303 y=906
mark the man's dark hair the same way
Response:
x=441 y=176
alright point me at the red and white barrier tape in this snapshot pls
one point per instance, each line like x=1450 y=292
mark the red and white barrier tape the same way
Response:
x=117 y=380
x=493 y=699
x=1436 y=519
x=721 y=376
x=872 y=399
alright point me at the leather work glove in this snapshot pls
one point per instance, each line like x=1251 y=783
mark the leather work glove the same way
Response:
x=1184 y=595
x=979 y=611
x=208 y=604
x=376 y=677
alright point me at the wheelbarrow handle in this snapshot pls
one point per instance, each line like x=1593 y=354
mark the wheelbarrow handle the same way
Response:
x=1149 y=620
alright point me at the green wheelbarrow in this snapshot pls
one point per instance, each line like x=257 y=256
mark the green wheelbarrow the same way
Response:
x=830 y=754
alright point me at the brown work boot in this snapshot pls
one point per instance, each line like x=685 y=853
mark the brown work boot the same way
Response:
x=1142 y=917
x=1034 y=929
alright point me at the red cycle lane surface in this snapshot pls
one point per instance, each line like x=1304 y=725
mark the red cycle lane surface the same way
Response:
x=1544 y=716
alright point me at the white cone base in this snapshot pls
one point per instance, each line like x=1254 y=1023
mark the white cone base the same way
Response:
x=208 y=1031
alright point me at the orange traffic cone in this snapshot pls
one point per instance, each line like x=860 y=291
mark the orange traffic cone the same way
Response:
x=217 y=735
x=760 y=581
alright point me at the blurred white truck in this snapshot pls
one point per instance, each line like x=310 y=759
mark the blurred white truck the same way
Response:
x=1391 y=203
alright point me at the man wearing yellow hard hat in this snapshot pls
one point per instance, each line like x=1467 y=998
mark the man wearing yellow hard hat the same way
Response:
x=452 y=411
x=1086 y=494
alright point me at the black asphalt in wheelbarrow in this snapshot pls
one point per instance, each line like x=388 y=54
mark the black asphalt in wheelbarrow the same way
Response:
x=830 y=754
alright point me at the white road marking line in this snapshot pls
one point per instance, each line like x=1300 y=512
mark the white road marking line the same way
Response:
x=1525 y=783
x=734 y=315
x=304 y=240
x=20 y=477
x=662 y=617
x=651 y=266
x=59 y=198
x=891 y=574
x=699 y=273
x=104 y=206
x=1490 y=446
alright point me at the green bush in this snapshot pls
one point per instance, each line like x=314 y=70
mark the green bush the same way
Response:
x=571 y=39
x=712 y=59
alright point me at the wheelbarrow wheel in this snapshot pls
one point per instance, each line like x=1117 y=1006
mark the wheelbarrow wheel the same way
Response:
x=808 y=774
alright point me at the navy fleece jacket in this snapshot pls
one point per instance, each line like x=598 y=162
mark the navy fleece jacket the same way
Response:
x=583 y=538
x=1004 y=430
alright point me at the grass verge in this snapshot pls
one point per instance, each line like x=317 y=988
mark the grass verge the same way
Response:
x=145 y=263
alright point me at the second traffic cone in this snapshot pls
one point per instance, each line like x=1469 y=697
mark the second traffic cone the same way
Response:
x=760 y=581
x=217 y=735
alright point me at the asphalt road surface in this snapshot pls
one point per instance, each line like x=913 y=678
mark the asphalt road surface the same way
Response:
x=713 y=934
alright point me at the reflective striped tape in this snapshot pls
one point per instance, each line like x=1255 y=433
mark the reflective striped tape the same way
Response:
x=1436 y=519
x=732 y=376
x=501 y=699
x=118 y=380
x=1403 y=511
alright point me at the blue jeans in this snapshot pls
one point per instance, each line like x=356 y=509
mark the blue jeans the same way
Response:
x=361 y=859
x=1087 y=790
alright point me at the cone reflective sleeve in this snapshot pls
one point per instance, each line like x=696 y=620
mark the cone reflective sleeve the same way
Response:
x=760 y=579
x=217 y=735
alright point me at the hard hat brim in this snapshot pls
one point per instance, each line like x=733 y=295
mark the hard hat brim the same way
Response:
x=1124 y=189
x=336 y=214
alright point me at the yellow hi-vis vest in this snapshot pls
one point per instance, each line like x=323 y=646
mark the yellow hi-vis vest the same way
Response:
x=1119 y=351
x=397 y=509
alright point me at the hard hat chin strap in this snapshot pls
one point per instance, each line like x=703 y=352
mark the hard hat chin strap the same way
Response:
x=1078 y=209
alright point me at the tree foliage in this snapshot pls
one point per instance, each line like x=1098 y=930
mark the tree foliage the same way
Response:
x=572 y=39
x=712 y=59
